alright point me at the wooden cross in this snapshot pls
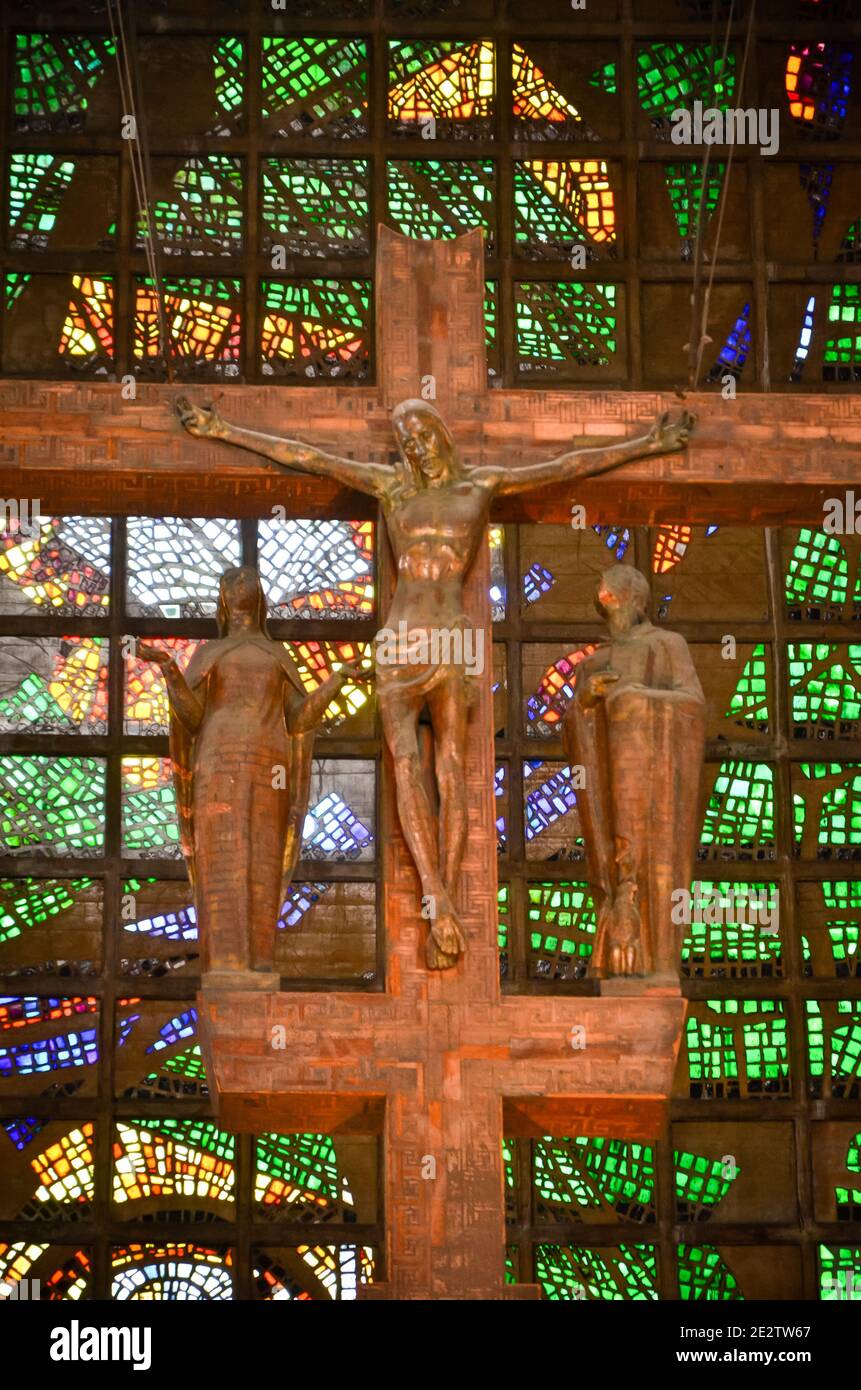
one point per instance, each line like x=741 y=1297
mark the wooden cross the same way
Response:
x=441 y=1061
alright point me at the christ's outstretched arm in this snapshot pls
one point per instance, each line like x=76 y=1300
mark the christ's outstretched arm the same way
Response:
x=665 y=437
x=205 y=422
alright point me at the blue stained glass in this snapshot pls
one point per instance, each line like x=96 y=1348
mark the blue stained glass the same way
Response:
x=554 y=798
x=51 y=1054
x=182 y=1026
x=536 y=581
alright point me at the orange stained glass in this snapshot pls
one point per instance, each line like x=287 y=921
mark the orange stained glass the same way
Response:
x=457 y=87
x=65 y=1170
x=558 y=681
x=670 y=546
x=145 y=774
x=80 y=685
x=88 y=327
x=12 y=1015
x=535 y=96
x=283 y=337
x=582 y=188
x=277 y=1192
x=149 y=1164
x=802 y=108
x=316 y=661
x=43 y=572
x=198 y=327
x=146 y=693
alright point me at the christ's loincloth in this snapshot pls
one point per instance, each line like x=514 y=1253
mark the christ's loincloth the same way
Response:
x=405 y=685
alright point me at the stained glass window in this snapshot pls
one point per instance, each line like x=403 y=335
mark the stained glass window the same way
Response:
x=479 y=91
x=317 y=207
x=563 y=326
x=315 y=328
x=314 y=86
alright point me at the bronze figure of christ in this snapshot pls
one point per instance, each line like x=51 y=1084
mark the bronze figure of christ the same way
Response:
x=436 y=509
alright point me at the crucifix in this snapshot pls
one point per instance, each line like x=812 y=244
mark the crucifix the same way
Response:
x=435 y=508
x=439 y=1061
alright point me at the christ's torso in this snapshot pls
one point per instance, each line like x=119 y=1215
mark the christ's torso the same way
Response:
x=435 y=534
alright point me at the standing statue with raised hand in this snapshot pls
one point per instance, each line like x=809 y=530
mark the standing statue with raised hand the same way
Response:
x=241 y=737
x=436 y=509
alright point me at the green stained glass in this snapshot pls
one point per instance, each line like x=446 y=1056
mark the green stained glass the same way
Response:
x=52 y=805
x=704 y=1275
x=508 y=1162
x=200 y=1134
x=53 y=685
x=562 y=921
x=673 y=75
x=594 y=1173
x=430 y=198
x=559 y=204
x=37 y=183
x=701 y=1183
x=825 y=686
x=818 y=574
x=749 y=704
x=565 y=321
x=317 y=207
x=314 y=86
x=204 y=216
x=503 y=926
x=573 y=1273
x=741 y=807
x=228 y=58
x=733 y=931
x=304 y=1161
x=53 y=75
x=685 y=187
x=15 y=281
x=827 y=815
x=848 y=1199
x=834 y=1047
x=491 y=322
x=188 y=1063
x=576 y=1177
x=149 y=820
x=28 y=903
x=842 y=353
x=840 y=1273
x=737 y=1047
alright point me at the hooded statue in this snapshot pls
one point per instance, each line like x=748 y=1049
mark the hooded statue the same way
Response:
x=636 y=725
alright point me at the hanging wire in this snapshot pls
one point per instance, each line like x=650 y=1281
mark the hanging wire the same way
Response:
x=129 y=83
x=695 y=346
x=722 y=207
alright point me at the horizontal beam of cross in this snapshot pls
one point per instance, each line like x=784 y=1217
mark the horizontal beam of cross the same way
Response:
x=763 y=459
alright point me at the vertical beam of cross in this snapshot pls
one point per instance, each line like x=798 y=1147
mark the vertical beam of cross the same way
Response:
x=435 y=1058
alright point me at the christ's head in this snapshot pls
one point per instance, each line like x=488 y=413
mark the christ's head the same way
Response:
x=424 y=442
x=623 y=597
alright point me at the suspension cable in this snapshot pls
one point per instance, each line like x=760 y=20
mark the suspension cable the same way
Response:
x=129 y=83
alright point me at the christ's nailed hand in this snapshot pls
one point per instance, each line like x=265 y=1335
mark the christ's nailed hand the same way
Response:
x=200 y=420
x=667 y=435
